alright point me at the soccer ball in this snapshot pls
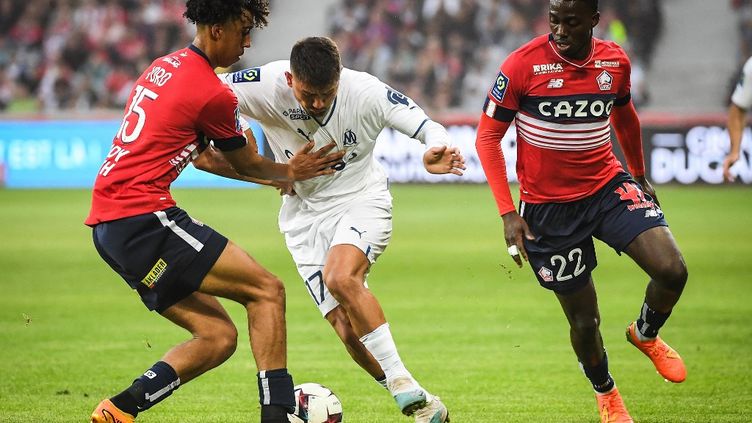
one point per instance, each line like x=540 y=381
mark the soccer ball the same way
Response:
x=315 y=403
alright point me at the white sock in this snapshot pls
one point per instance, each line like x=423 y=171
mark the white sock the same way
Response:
x=381 y=346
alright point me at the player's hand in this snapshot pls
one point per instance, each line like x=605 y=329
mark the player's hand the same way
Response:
x=729 y=161
x=441 y=160
x=306 y=164
x=647 y=188
x=284 y=187
x=515 y=228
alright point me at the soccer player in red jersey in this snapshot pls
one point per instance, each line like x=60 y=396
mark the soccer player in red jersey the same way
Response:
x=564 y=91
x=177 y=264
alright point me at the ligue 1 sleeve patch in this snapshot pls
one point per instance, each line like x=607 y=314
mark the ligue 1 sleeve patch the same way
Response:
x=247 y=75
x=500 y=87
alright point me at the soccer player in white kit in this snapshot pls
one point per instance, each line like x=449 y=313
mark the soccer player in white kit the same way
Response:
x=741 y=101
x=336 y=226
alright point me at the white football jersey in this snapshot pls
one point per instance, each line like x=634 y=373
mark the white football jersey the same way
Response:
x=363 y=107
x=742 y=95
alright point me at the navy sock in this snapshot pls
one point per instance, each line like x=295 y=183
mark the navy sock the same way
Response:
x=276 y=388
x=154 y=385
x=125 y=401
x=599 y=375
x=650 y=321
x=274 y=414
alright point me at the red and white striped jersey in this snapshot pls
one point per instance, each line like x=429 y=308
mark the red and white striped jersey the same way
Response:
x=561 y=110
x=177 y=98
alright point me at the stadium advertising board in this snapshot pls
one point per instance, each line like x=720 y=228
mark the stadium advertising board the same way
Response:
x=694 y=154
x=68 y=154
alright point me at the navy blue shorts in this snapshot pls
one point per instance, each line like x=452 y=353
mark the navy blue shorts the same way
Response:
x=163 y=255
x=563 y=255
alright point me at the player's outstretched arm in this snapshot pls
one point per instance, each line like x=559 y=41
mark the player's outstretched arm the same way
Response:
x=213 y=161
x=305 y=164
x=735 y=124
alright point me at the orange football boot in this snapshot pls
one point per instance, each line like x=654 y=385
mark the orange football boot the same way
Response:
x=611 y=407
x=106 y=412
x=666 y=360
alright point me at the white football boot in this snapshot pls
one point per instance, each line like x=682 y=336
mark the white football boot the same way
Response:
x=434 y=412
x=409 y=396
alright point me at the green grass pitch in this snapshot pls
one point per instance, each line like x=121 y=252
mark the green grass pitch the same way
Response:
x=470 y=326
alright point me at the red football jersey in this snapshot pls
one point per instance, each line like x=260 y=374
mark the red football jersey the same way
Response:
x=177 y=98
x=561 y=110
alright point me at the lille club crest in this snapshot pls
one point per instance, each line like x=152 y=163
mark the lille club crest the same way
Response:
x=604 y=81
x=546 y=274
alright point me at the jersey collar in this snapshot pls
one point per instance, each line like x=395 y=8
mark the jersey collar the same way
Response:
x=328 y=116
x=199 y=52
x=577 y=63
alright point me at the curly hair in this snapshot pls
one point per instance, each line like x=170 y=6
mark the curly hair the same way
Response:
x=210 y=12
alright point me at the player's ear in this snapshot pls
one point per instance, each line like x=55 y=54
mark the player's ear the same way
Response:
x=596 y=18
x=288 y=75
x=216 y=31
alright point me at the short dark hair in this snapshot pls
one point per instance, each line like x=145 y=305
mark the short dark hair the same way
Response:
x=316 y=61
x=593 y=4
x=210 y=12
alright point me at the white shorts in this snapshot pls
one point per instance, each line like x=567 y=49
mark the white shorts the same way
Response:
x=366 y=224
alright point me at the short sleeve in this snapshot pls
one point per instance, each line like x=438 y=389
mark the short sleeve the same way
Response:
x=220 y=118
x=742 y=95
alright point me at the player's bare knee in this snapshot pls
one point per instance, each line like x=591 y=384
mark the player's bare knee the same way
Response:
x=269 y=290
x=225 y=342
x=672 y=275
x=342 y=285
x=586 y=325
x=220 y=338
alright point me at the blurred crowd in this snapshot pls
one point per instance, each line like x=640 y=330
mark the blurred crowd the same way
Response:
x=86 y=54
x=83 y=54
x=445 y=53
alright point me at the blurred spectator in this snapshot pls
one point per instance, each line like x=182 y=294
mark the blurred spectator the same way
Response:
x=439 y=51
x=83 y=54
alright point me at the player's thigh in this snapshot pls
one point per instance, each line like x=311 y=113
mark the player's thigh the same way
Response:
x=625 y=211
x=656 y=252
x=364 y=229
x=345 y=269
x=367 y=226
x=564 y=270
x=238 y=277
x=313 y=280
x=562 y=256
x=162 y=255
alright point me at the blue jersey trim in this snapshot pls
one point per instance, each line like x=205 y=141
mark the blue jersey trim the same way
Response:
x=419 y=128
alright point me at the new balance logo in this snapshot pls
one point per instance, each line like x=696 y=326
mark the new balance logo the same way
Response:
x=556 y=83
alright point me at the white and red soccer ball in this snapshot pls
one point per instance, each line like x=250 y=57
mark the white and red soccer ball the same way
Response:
x=315 y=403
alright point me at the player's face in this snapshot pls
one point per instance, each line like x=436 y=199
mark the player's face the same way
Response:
x=235 y=39
x=315 y=100
x=572 y=23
